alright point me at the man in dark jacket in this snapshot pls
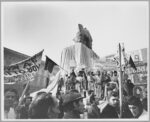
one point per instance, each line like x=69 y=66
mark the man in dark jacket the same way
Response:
x=73 y=105
x=110 y=111
x=93 y=110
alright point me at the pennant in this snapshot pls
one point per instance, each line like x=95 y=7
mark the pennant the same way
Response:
x=49 y=64
x=131 y=63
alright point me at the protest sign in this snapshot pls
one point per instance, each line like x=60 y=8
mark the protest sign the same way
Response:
x=24 y=70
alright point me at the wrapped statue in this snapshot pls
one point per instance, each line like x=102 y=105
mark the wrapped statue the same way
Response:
x=83 y=36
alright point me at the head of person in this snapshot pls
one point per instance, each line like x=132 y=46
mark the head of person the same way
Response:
x=112 y=73
x=135 y=106
x=73 y=102
x=44 y=106
x=111 y=86
x=129 y=81
x=66 y=75
x=80 y=73
x=92 y=74
x=115 y=73
x=90 y=92
x=88 y=73
x=125 y=77
x=109 y=73
x=94 y=100
x=105 y=72
x=113 y=99
x=10 y=98
x=28 y=100
x=98 y=73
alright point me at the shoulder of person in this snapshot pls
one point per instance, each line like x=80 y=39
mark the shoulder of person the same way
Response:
x=144 y=115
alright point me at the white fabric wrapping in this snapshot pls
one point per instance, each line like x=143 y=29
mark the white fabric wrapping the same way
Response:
x=80 y=54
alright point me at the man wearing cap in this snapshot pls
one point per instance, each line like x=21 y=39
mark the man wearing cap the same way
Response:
x=73 y=105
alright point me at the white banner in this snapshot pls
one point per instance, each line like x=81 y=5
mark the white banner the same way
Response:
x=24 y=70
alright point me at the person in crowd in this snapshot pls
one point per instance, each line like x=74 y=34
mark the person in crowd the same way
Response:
x=79 y=80
x=93 y=110
x=98 y=84
x=111 y=74
x=73 y=105
x=127 y=85
x=87 y=99
x=144 y=103
x=105 y=80
x=106 y=77
x=85 y=80
x=130 y=86
x=114 y=86
x=136 y=108
x=72 y=80
x=44 y=106
x=60 y=98
x=126 y=113
x=11 y=99
x=144 y=100
x=91 y=81
x=115 y=77
x=137 y=91
x=60 y=83
x=124 y=84
x=25 y=108
x=73 y=73
x=110 y=110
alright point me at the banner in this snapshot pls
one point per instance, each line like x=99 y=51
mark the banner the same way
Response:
x=24 y=70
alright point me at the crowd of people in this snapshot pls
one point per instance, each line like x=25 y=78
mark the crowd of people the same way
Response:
x=82 y=95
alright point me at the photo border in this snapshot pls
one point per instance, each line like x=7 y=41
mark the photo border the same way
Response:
x=2 y=64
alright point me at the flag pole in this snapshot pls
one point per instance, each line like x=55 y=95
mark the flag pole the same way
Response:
x=120 y=83
x=23 y=93
x=62 y=68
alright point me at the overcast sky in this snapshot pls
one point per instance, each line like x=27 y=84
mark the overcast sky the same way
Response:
x=29 y=27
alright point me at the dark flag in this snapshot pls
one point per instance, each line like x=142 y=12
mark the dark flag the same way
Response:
x=131 y=63
x=49 y=64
